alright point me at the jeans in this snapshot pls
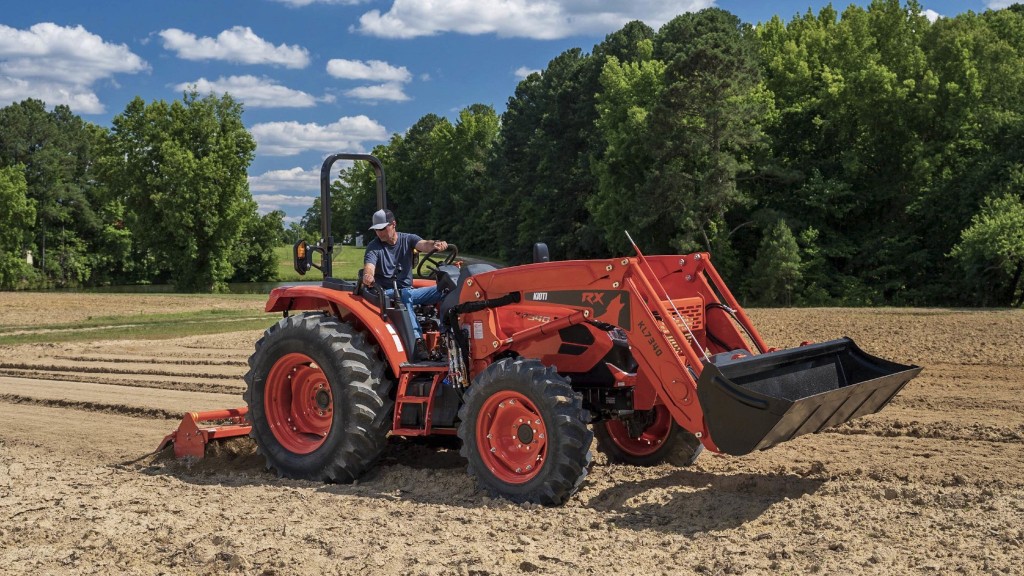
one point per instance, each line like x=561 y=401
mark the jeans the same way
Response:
x=417 y=297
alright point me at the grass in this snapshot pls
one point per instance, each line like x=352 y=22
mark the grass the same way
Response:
x=140 y=327
x=348 y=260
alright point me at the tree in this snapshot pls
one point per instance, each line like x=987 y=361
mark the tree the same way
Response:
x=253 y=258
x=705 y=127
x=181 y=171
x=991 y=251
x=775 y=274
x=629 y=92
x=57 y=151
x=18 y=215
x=543 y=161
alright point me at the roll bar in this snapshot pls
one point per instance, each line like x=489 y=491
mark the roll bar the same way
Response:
x=327 y=241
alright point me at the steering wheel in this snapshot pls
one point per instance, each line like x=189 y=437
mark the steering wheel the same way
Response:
x=429 y=263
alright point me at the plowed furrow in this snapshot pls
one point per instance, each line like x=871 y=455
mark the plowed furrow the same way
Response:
x=149 y=360
x=134 y=370
x=136 y=411
x=171 y=383
x=171 y=401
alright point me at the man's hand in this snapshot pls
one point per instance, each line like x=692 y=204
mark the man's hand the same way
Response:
x=440 y=245
x=368 y=279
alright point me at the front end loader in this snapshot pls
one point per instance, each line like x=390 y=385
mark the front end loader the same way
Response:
x=651 y=356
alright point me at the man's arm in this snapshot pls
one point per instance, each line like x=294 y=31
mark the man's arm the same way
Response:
x=431 y=246
x=369 y=264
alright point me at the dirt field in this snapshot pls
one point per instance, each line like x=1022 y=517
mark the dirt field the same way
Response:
x=934 y=484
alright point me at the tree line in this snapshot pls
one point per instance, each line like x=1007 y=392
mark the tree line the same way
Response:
x=862 y=158
x=857 y=158
x=160 y=197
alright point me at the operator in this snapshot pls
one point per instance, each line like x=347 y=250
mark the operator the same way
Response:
x=388 y=261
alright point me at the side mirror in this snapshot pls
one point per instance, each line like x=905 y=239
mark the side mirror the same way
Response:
x=302 y=257
x=540 y=253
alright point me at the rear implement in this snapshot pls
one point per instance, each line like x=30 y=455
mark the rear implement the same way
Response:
x=191 y=437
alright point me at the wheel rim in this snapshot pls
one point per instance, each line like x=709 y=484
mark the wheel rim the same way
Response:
x=299 y=403
x=652 y=438
x=511 y=437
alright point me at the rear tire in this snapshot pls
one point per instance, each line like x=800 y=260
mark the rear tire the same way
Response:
x=523 y=431
x=661 y=440
x=318 y=399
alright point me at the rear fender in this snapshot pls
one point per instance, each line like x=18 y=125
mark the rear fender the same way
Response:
x=345 y=306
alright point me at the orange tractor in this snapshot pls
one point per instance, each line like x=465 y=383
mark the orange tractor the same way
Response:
x=528 y=364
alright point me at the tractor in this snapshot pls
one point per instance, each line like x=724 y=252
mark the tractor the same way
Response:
x=527 y=365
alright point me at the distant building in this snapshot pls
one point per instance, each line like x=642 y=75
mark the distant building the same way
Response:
x=28 y=257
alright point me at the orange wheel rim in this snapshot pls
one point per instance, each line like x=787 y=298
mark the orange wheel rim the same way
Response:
x=511 y=437
x=652 y=438
x=298 y=403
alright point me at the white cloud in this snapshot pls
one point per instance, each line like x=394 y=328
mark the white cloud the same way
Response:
x=255 y=92
x=290 y=188
x=293 y=179
x=81 y=100
x=1000 y=4
x=392 y=76
x=283 y=202
x=238 y=44
x=388 y=91
x=931 y=15
x=540 y=19
x=59 y=65
x=522 y=72
x=290 y=138
x=374 y=70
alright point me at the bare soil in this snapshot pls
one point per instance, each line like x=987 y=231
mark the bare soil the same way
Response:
x=933 y=484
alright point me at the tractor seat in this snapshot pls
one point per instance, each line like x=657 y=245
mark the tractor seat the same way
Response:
x=451 y=279
x=339 y=284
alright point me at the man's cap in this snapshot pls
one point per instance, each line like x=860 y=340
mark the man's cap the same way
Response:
x=381 y=219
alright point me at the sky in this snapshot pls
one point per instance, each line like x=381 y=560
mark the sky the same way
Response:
x=318 y=77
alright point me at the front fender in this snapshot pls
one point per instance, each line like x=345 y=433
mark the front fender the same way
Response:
x=345 y=306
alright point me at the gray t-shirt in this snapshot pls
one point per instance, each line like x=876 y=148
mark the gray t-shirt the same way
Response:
x=392 y=262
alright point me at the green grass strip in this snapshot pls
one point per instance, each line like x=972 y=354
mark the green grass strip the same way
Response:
x=141 y=327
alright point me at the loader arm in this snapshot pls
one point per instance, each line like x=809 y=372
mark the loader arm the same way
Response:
x=716 y=376
x=627 y=293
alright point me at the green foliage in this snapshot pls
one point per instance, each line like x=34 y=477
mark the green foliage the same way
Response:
x=863 y=157
x=181 y=171
x=18 y=215
x=57 y=150
x=776 y=274
x=991 y=251
x=629 y=92
x=705 y=127
x=253 y=258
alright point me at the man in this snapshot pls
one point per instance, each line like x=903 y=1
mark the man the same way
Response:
x=388 y=262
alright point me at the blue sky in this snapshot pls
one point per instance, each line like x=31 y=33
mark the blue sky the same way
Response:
x=320 y=76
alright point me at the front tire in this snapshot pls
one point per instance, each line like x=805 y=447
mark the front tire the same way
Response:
x=318 y=399
x=524 y=433
x=652 y=439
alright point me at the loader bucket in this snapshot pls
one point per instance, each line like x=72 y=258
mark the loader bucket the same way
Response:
x=755 y=402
